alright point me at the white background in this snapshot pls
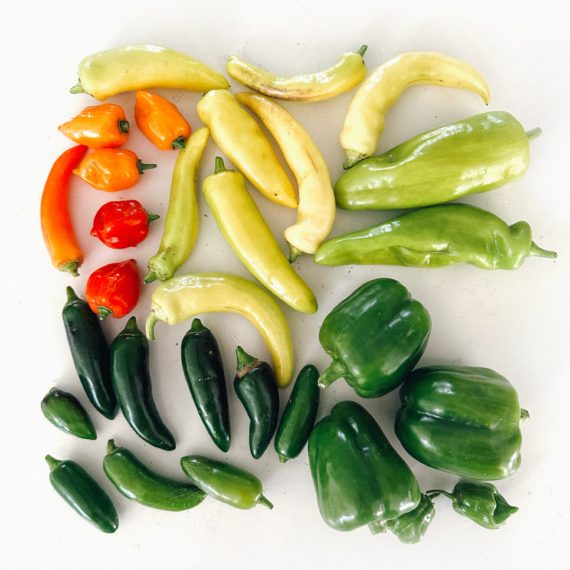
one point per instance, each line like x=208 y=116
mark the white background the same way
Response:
x=515 y=322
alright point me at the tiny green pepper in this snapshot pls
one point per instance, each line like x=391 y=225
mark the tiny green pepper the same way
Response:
x=225 y=482
x=65 y=412
x=412 y=526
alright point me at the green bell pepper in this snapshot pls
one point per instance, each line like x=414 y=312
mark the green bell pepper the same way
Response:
x=65 y=412
x=358 y=476
x=477 y=154
x=461 y=419
x=375 y=337
x=412 y=526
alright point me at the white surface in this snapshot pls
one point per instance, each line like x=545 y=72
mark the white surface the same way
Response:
x=514 y=322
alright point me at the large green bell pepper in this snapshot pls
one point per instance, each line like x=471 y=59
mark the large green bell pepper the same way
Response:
x=359 y=478
x=375 y=337
x=461 y=419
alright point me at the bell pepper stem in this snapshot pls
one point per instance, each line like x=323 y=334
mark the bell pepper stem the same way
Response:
x=179 y=143
x=436 y=492
x=151 y=217
x=151 y=276
x=539 y=252
x=142 y=166
x=362 y=50
x=533 y=133
x=333 y=372
x=263 y=500
x=103 y=313
x=52 y=462
x=77 y=88
x=124 y=126
x=294 y=253
x=150 y=324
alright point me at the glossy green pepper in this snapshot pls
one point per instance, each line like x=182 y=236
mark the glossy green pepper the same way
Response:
x=358 y=476
x=65 y=412
x=412 y=526
x=477 y=154
x=225 y=482
x=375 y=337
x=461 y=419
x=436 y=237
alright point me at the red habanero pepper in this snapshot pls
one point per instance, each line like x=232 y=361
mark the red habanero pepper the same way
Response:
x=122 y=223
x=111 y=169
x=113 y=290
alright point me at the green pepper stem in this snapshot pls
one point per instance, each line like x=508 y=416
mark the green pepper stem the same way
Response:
x=151 y=217
x=150 y=277
x=282 y=459
x=362 y=50
x=103 y=313
x=179 y=143
x=294 y=253
x=70 y=267
x=197 y=326
x=52 y=462
x=539 y=252
x=244 y=360
x=333 y=372
x=131 y=326
x=111 y=446
x=142 y=166
x=77 y=88
x=533 y=133
x=124 y=126
x=435 y=492
x=524 y=415
x=219 y=165
x=71 y=294
x=263 y=500
x=150 y=323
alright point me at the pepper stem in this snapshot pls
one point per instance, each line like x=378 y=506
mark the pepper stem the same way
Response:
x=524 y=415
x=151 y=217
x=333 y=372
x=533 y=133
x=77 y=88
x=294 y=253
x=435 y=492
x=244 y=360
x=124 y=126
x=197 y=325
x=150 y=277
x=103 y=313
x=539 y=252
x=111 y=446
x=131 y=326
x=282 y=459
x=70 y=267
x=362 y=50
x=149 y=326
x=219 y=165
x=52 y=462
x=142 y=166
x=71 y=294
x=179 y=143
x=263 y=500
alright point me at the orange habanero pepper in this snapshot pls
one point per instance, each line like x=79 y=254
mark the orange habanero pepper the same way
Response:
x=100 y=126
x=161 y=121
x=111 y=169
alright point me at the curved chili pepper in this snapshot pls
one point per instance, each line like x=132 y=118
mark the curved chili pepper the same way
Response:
x=57 y=228
x=309 y=87
x=121 y=223
x=132 y=67
x=113 y=290
x=111 y=169
x=100 y=126
x=161 y=121
x=364 y=120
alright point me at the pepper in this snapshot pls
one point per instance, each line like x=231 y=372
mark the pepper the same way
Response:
x=204 y=373
x=436 y=236
x=121 y=223
x=66 y=413
x=135 y=481
x=224 y=482
x=364 y=121
x=57 y=227
x=240 y=137
x=477 y=154
x=111 y=169
x=299 y=416
x=251 y=239
x=99 y=126
x=143 y=66
x=90 y=353
x=308 y=87
x=130 y=375
x=160 y=121
x=186 y=296
x=182 y=216
x=359 y=478
x=316 y=211
x=83 y=494
x=375 y=337
x=461 y=419
x=411 y=527
x=256 y=388
x=113 y=290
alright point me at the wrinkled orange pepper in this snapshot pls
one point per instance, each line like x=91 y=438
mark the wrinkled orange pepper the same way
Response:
x=111 y=169
x=161 y=121
x=100 y=126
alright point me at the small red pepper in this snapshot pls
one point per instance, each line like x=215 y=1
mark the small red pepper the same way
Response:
x=122 y=223
x=111 y=169
x=113 y=290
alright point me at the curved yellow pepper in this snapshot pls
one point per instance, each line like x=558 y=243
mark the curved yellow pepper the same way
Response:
x=249 y=236
x=364 y=121
x=143 y=66
x=309 y=87
x=185 y=296
x=242 y=140
x=317 y=207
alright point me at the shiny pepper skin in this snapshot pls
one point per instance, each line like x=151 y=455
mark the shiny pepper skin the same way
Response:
x=113 y=290
x=121 y=223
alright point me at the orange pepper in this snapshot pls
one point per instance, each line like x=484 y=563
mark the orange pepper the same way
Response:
x=100 y=126
x=111 y=169
x=160 y=121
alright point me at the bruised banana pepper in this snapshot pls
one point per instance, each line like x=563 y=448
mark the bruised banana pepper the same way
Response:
x=143 y=66
x=182 y=217
x=316 y=212
x=249 y=236
x=310 y=87
x=186 y=296
x=364 y=121
x=240 y=137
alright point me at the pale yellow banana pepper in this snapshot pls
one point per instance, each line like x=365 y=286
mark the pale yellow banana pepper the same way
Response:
x=250 y=238
x=340 y=78
x=316 y=213
x=185 y=296
x=240 y=137
x=364 y=121
x=143 y=66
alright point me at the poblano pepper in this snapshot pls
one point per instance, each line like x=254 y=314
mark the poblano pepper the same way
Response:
x=461 y=419
x=358 y=476
x=375 y=337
